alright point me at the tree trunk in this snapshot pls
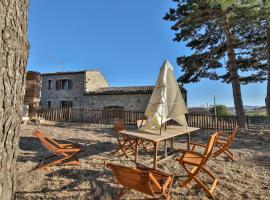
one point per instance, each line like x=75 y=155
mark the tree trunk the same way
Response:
x=238 y=103
x=267 y=99
x=13 y=59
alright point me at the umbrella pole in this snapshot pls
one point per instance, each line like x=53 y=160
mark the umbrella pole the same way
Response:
x=160 y=126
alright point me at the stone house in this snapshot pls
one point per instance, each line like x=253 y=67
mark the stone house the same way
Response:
x=90 y=89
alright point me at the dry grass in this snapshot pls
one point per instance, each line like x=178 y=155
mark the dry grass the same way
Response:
x=247 y=178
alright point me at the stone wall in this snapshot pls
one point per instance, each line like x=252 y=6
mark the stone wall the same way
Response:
x=131 y=102
x=94 y=80
x=81 y=82
x=55 y=96
x=81 y=93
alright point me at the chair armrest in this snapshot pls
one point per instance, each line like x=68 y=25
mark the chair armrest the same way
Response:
x=179 y=159
x=198 y=144
x=223 y=135
x=194 y=145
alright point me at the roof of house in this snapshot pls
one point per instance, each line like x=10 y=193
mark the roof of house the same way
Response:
x=68 y=72
x=199 y=110
x=125 y=90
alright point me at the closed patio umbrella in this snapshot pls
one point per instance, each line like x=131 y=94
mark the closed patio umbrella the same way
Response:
x=166 y=101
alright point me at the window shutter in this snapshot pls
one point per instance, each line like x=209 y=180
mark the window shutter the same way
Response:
x=58 y=84
x=49 y=84
x=69 y=84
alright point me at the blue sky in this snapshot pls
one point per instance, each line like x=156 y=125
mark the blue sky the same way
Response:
x=126 y=40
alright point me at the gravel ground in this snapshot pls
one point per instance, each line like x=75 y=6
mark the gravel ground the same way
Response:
x=246 y=178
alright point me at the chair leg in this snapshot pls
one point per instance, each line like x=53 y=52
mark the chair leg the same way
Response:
x=56 y=162
x=220 y=150
x=224 y=150
x=191 y=175
x=144 y=146
x=214 y=183
x=121 y=148
x=229 y=154
x=209 y=194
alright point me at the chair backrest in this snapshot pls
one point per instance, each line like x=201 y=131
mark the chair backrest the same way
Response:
x=140 y=180
x=231 y=137
x=46 y=142
x=210 y=145
x=118 y=126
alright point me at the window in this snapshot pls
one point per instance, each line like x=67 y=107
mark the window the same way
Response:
x=63 y=84
x=49 y=104
x=49 y=84
x=65 y=104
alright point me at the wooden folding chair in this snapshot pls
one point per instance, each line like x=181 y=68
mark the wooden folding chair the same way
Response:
x=144 y=143
x=66 y=153
x=148 y=181
x=125 y=144
x=223 y=144
x=198 y=160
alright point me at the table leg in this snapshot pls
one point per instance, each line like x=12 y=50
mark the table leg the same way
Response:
x=188 y=144
x=155 y=155
x=136 y=150
x=165 y=149
x=172 y=143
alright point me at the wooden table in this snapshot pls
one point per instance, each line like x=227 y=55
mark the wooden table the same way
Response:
x=156 y=138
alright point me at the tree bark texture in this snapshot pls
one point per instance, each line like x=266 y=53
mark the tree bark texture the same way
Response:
x=238 y=103
x=267 y=99
x=13 y=59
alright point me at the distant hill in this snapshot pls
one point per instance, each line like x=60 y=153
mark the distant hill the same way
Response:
x=251 y=110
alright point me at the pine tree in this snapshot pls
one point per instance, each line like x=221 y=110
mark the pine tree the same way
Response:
x=210 y=30
x=257 y=17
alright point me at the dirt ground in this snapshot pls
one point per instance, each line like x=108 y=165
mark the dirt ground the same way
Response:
x=246 y=178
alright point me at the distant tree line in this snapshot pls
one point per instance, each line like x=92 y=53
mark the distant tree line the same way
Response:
x=230 y=41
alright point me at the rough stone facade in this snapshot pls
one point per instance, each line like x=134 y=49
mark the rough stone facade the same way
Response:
x=90 y=89
x=80 y=83
x=130 y=102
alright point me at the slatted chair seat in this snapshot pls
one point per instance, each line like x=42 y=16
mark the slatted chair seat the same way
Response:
x=223 y=143
x=198 y=161
x=148 y=181
x=66 y=153
x=192 y=158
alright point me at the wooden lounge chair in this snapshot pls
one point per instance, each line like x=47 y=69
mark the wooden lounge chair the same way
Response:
x=223 y=144
x=125 y=144
x=198 y=161
x=66 y=153
x=148 y=181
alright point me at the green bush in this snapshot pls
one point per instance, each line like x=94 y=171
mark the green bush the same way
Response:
x=221 y=110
